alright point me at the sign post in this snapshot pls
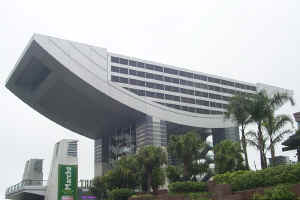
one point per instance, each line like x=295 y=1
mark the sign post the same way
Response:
x=67 y=182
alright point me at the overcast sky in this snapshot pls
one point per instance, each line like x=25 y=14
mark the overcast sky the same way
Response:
x=253 y=41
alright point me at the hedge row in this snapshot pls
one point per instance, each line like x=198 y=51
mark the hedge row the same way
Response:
x=242 y=180
x=188 y=186
x=120 y=194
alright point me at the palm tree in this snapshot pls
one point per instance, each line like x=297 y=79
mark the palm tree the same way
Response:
x=237 y=110
x=259 y=142
x=151 y=158
x=260 y=107
x=189 y=149
x=275 y=127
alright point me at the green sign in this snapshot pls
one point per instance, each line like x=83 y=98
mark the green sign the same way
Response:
x=67 y=182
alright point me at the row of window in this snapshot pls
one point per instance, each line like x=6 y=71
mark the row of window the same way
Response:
x=180 y=73
x=159 y=95
x=168 y=88
x=192 y=109
x=173 y=80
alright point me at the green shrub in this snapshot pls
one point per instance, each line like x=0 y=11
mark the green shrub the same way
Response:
x=174 y=173
x=120 y=194
x=280 y=192
x=199 y=196
x=188 y=186
x=143 y=196
x=242 y=180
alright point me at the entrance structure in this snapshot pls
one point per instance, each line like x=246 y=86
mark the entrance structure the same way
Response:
x=122 y=102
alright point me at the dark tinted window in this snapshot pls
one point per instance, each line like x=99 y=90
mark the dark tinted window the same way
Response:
x=148 y=66
x=188 y=83
x=159 y=86
x=214 y=112
x=225 y=106
x=202 y=111
x=214 y=96
x=171 y=88
x=229 y=91
x=201 y=85
x=133 y=72
x=114 y=69
x=158 y=68
x=150 y=85
x=216 y=105
x=123 y=70
x=150 y=94
x=158 y=77
x=173 y=106
x=149 y=75
x=171 y=80
x=191 y=109
x=123 y=61
x=160 y=95
x=214 y=88
x=187 y=100
x=213 y=80
x=114 y=59
x=172 y=97
x=201 y=94
x=123 y=80
x=186 y=91
x=185 y=108
x=229 y=83
x=115 y=78
x=200 y=77
x=202 y=102
x=186 y=74
x=136 y=82
x=132 y=63
x=140 y=64
x=141 y=74
x=170 y=71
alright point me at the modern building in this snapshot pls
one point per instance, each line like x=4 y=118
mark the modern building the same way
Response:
x=122 y=102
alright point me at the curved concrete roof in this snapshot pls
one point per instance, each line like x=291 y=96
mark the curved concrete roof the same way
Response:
x=68 y=83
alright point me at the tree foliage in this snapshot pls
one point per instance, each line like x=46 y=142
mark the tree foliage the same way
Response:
x=228 y=157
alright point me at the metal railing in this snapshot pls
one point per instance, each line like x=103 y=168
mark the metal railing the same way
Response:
x=25 y=183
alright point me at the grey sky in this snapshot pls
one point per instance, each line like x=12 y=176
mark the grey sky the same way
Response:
x=254 y=41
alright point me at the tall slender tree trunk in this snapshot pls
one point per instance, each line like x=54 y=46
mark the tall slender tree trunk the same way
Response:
x=261 y=147
x=244 y=145
x=272 y=151
x=149 y=181
x=185 y=170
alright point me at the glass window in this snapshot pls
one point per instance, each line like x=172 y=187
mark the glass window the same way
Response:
x=171 y=88
x=188 y=83
x=214 y=112
x=123 y=61
x=115 y=78
x=214 y=88
x=158 y=77
x=202 y=102
x=225 y=106
x=200 y=77
x=140 y=64
x=114 y=69
x=172 y=97
x=114 y=59
x=171 y=80
x=123 y=80
x=158 y=68
x=132 y=72
x=185 y=108
x=150 y=85
x=202 y=111
x=191 y=109
x=229 y=83
x=214 y=96
x=201 y=94
x=186 y=74
x=159 y=86
x=187 y=100
x=141 y=74
x=170 y=71
x=174 y=106
x=136 y=82
x=148 y=66
x=213 y=80
x=149 y=75
x=201 y=85
x=123 y=70
x=186 y=91
x=216 y=105
x=150 y=94
x=159 y=95
x=132 y=63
